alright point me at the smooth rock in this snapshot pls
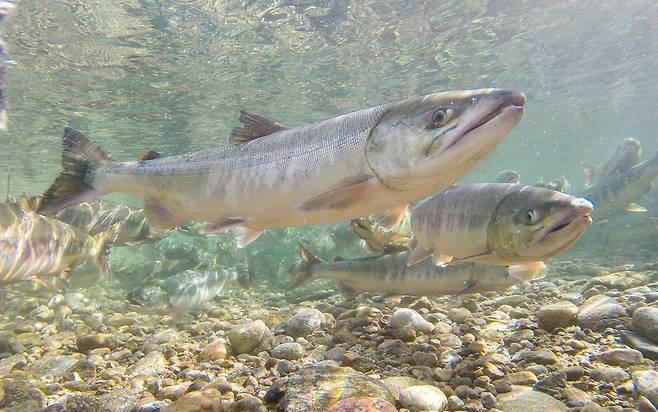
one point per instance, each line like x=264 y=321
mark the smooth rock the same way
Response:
x=173 y=392
x=423 y=398
x=216 y=350
x=395 y=384
x=246 y=337
x=362 y=404
x=645 y=322
x=541 y=357
x=55 y=364
x=525 y=378
x=305 y=322
x=639 y=342
x=524 y=399
x=152 y=364
x=315 y=387
x=557 y=315
x=609 y=374
x=600 y=312
x=197 y=401
x=289 y=351
x=97 y=340
x=118 y=400
x=621 y=357
x=646 y=382
x=459 y=315
x=409 y=318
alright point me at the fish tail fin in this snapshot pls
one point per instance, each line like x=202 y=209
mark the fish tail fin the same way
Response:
x=79 y=158
x=302 y=271
x=103 y=243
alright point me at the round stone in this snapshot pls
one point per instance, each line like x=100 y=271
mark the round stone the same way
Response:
x=288 y=351
x=409 y=318
x=363 y=404
x=423 y=398
x=645 y=321
x=246 y=337
x=557 y=315
x=305 y=322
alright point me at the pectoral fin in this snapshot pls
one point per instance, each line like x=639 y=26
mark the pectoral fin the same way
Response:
x=223 y=225
x=391 y=218
x=416 y=254
x=635 y=208
x=348 y=192
x=246 y=235
x=527 y=271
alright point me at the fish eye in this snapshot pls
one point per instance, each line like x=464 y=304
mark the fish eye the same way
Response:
x=440 y=117
x=531 y=216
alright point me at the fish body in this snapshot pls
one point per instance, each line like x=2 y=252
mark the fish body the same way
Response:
x=34 y=246
x=627 y=154
x=182 y=292
x=618 y=192
x=497 y=223
x=99 y=215
x=390 y=274
x=354 y=165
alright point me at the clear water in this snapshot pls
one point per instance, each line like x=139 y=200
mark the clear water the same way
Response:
x=171 y=76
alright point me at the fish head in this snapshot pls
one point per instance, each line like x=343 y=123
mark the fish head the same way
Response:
x=152 y=297
x=532 y=224
x=441 y=135
x=627 y=155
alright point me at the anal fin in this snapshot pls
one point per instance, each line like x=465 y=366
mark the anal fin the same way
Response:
x=439 y=259
x=223 y=225
x=348 y=192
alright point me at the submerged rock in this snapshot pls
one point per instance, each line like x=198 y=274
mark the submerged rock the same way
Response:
x=645 y=322
x=423 y=398
x=409 y=318
x=362 y=404
x=621 y=357
x=55 y=364
x=316 y=387
x=246 y=337
x=646 y=383
x=395 y=384
x=119 y=400
x=207 y=400
x=557 y=315
x=288 y=351
x=214 y=351
x=524 y=399
x=600 y=312
x=305 y=322
x=150 y=365
x=644 y=345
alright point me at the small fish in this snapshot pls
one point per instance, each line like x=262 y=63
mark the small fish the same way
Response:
x=627 y=154
x=618 y=193
x=272 y=176
x=381 y=239
x=559 y=184
x=34 y=246
x=185 y=291
x=508 y=176
x=99 y=215
x=497 y=223
x=390 y=274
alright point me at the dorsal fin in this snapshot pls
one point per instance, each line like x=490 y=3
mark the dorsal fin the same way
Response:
x=149 y=155
x=254 y=126
x=338 y=259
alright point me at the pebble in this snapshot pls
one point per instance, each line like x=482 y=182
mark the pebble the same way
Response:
x=455 y=404
x=395 y=384
x=645 y=346
x=459 y=315
x=609 y=374
x=246 y=337
x=214 y=351
x=173 y=392
x=289 y=351
x=118 y=400
x=645 y=322
x=206 y=400
x=305 y=323
x=600 y=312
x=152 y=364
x=557 y=315
x=488 y=400
x=522 y=378
x=524 y=399
x=423 y=398
x=409 y=318
x=541 y=357
x=362 y=404
x=646 y=382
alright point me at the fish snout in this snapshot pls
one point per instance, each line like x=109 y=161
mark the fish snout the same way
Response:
x=583 y=207
x=509 y=97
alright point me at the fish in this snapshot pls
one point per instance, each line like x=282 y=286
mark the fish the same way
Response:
x=618 y=193
x=184 y=291
x=627 y=154
x=497 y=223
x=559 y=184
x=36 y=246
x=379 y=238
x=508 y=176
x=389 y=274
x=99 y=215
x=271 y=176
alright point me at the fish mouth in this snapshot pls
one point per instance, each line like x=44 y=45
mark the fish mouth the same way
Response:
x=133 y=300
x=507 y=103
x=578 y=219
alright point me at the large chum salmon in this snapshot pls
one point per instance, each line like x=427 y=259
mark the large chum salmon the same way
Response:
x=358 y=164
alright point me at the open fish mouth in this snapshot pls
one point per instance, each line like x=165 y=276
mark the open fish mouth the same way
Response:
x=581 y=217
x=510 y=102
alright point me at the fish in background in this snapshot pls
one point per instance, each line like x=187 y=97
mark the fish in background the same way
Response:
x=185 y=291
x=497 y=223
x=358 y=164
x=35 y=246
x=99 y=215
x=507 y=176
x=618 y=192
x=559 y=184
x=389 y=274
x=627 y=154
x=381 y=239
